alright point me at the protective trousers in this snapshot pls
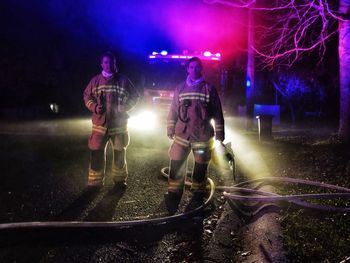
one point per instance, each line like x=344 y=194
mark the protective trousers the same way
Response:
x=97 y=145
x=119 y=167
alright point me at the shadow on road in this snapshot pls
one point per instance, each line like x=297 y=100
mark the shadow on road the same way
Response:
x=36 y=244
x=81 y=204
x=105 y=208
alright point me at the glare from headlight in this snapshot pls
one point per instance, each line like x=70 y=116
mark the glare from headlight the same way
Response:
x=146 y=121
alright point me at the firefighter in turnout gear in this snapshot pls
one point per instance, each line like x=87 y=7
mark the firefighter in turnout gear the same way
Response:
x=195 y=104
x=109 y=96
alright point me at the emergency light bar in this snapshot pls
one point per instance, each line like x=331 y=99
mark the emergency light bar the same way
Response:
x=207 y=55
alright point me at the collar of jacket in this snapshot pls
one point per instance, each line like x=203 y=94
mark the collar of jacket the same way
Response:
x=106 y=74
x=192 y=83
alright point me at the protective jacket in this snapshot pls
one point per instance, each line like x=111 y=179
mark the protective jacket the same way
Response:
x=192 y=109
x=113 y=94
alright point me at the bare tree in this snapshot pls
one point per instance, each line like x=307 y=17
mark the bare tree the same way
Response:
x=295 y=27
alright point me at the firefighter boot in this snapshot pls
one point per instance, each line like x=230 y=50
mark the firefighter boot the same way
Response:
x=172 y=201
x=196 y=201
x=119 y=168
x=199 y=177
x=175 y=185
x=198 y=187
x=120 y=175
x=96 y=169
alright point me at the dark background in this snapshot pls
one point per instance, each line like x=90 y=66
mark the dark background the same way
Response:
x=50 y=49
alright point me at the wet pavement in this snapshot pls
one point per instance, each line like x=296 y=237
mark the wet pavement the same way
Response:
x=44 y=177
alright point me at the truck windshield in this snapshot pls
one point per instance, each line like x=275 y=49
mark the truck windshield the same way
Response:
x=164 y=75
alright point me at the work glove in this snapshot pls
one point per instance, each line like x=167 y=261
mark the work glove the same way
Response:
x=99 y=109
x=170 y=133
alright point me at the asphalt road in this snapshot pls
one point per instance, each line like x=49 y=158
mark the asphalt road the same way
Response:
x=44 y=173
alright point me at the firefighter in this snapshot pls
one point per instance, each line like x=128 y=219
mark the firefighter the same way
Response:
x=194 y=105
x=109 y=96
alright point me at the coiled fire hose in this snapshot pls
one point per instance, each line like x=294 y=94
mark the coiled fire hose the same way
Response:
x=236 y=193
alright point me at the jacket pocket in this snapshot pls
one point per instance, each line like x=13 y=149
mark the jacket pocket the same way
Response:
x=202 y=109
x=99 y=119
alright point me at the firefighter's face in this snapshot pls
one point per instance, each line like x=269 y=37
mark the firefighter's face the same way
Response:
x=108 y=64
x=194 y=70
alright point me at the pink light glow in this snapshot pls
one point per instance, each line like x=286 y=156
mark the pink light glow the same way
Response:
x=205 y=27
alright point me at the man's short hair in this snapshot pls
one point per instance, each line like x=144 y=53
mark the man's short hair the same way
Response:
x=109 y=55
x=194 y=59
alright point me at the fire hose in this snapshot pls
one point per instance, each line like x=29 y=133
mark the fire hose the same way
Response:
x=235 y=193
x=109 y=224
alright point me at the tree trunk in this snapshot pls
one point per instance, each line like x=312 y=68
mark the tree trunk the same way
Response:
x=250 y=79
x=344 y=69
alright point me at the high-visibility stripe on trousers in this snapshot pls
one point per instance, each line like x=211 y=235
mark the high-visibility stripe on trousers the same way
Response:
x=96 y=168
x=95 y=178
x=119 y=174
x=176 y=180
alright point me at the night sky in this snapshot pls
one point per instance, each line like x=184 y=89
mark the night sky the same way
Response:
x=50 y=49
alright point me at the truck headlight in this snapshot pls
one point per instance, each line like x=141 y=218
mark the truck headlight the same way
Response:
x=145 y=120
